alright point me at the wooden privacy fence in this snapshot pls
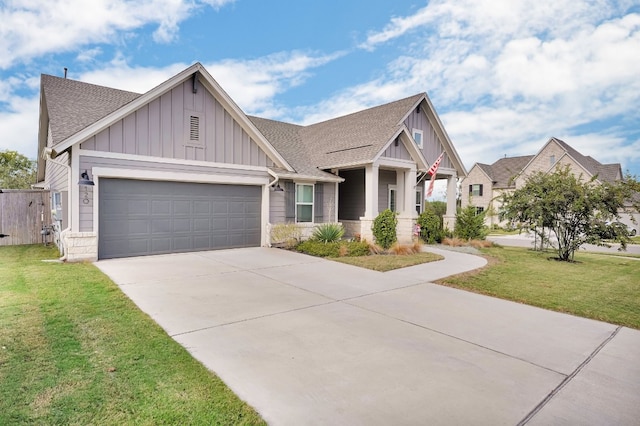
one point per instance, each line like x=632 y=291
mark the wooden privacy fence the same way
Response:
x=23 y=215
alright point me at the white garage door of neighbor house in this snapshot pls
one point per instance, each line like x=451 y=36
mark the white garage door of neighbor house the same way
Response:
x=138 y=217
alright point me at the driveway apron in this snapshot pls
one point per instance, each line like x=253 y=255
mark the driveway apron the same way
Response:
x=311 y=341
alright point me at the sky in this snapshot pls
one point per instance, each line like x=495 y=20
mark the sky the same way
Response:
x=503 y=75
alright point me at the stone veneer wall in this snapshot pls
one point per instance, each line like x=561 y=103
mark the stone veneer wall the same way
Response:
x=81 y=246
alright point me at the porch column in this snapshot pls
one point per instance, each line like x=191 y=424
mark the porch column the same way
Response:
x=406 y=205
x=409 y=194
x=452 y=187
x=371 y=191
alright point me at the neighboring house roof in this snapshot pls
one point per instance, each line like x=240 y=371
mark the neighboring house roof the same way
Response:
x=505 y=169
x=605 y=172
x=74 y=105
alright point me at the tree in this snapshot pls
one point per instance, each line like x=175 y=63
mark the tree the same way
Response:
x=470 y=224
x=16 y=170
x=574 y=211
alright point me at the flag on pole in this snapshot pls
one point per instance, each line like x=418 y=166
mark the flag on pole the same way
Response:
x=432 y=170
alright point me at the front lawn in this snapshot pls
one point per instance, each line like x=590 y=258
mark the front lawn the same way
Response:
x=597 y=286
x=75 y=350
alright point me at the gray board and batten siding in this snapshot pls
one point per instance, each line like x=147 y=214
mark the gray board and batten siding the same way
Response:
x=282 y=203
x=397 y=151
x=432 y=146
x=165 y=128
x=154 y=217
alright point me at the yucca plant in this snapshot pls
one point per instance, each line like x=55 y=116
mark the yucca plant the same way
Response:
x=328 y=232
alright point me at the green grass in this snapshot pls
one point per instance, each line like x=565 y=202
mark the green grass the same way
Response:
x=388 y=262
x=74 y=350
x=597 y=286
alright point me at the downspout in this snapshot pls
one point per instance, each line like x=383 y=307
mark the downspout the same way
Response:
x=47 y=156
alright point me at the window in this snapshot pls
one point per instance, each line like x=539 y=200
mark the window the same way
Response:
x=304 y=203
x=479 y=210
x=393 y=192
x=552 y=160
x=417 y=136
x=57 y=201
x=475 y=190
x=419 y=200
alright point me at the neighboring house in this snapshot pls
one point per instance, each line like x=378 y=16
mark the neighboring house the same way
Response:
x=182 y=168
x=485 y=183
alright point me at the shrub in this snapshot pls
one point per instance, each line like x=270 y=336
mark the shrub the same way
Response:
x=470 y=224
x=384 y=228
x=328 y=232
x=318 y=248
x=358 y=248
x=334 y=249
x=286 y=235
x=430 y=226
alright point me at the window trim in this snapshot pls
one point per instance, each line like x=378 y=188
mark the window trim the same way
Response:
x=392 y=189
x=303 y=203
x=415 y=132
x=472 y=191
x=419 y=196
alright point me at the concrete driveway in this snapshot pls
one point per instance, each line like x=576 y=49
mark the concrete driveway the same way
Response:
x=310 y=341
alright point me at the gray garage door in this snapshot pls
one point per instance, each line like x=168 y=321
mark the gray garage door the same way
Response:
x=149 y=217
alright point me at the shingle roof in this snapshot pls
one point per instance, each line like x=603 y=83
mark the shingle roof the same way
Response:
x=357 y=137
x=505 y=169
x=486 y=168
x=73 y=105
x=605 y=172
x=351 y=139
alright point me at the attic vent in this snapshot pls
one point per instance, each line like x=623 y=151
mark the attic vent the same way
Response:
x=194 y=128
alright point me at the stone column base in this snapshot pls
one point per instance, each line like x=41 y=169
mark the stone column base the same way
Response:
x=449 y=222
x=404 y=230
x=366 y=233
x=81 y=246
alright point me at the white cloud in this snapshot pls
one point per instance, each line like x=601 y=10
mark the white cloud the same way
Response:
x=31 y=28
x=505 y=76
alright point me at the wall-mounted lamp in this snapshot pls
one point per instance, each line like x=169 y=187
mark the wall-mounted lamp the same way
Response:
x=278 y=188
x=84 y=179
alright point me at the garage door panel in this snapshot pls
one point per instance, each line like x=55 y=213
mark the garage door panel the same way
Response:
x=160 y=225
x=201 y=225
x=150 y=217
x=161 y=207
x=181 y=225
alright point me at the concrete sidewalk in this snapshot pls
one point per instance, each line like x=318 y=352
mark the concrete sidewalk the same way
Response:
x=311 y=341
